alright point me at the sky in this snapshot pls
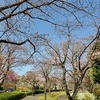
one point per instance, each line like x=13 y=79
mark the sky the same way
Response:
x=45 y=28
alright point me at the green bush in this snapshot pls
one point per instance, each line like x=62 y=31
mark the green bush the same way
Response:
x=1 y=88
x=41 y=88
x=12 y=95
x=85 y=96
x=56 y=90
x=38 y=91
x=16 y=95
x=42 y=91
x=97 y=92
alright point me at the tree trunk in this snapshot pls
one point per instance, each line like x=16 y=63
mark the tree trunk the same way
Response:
x=45 y=91
x=65 y=84
x=78 y=84
x=70 y=98
x=45 y=94
x=2 y=81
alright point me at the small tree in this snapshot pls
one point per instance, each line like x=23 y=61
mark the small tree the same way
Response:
x=11 y=79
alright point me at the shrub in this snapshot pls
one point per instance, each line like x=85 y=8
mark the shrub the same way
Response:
x=41 y=88
x=97 y=92
x=85 y=96
x=1 y=88
x=56 y=90
x=12 y=95
x=38 y=91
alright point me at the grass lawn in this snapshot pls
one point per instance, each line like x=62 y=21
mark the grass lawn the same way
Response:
x=53 y=96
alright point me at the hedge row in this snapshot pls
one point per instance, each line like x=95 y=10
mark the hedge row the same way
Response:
x=38 y=91
x=12 y=95
x=16 y=95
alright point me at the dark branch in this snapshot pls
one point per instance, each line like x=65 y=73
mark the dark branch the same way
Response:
x=97 y=36
x=15 y=43
x=12 y=5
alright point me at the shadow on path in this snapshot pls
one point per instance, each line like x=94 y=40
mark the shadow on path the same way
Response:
x=31 y=97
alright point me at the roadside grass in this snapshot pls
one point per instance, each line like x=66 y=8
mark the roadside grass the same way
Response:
x=52 y=96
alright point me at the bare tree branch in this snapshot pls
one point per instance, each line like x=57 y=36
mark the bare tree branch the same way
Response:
x=15 y=43
x=97 y=36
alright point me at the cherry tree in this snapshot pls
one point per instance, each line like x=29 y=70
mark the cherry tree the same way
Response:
x=69 y=56
x=18 y=17
x=11 y=79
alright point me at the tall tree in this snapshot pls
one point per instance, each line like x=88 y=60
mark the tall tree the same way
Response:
x=72 y=54
x=45 y=70
x=10 y=57
x=18 y=17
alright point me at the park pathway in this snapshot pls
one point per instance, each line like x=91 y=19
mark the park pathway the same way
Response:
x=62 y=97
x=32 y=97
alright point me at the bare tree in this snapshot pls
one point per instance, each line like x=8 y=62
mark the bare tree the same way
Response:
x=6 y=62
x=17 y=17
x=71 y=55
x=31 y=78
x=45 y=70
x=11 y=57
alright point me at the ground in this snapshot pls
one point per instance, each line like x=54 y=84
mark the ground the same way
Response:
x=62 y=97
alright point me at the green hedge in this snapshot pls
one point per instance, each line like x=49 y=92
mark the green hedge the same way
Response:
x=42 y=91
x=38 y=91
x=1 y=88
x=16 y=95
x=12 y=95
x=57 y=90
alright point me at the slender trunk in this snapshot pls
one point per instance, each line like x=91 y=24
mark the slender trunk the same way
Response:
x=65 y=85
x=33 y=90
x=68 y=94
x=78 y=84
x=45 y=94
x=76 y=89
x=49 y=87
x=4 y=77
x=55 y=87
x=49 y=91
x=45 y=91
x=2 y=81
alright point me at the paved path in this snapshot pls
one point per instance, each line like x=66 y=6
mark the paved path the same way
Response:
x=62 y=97
x=32 y=97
